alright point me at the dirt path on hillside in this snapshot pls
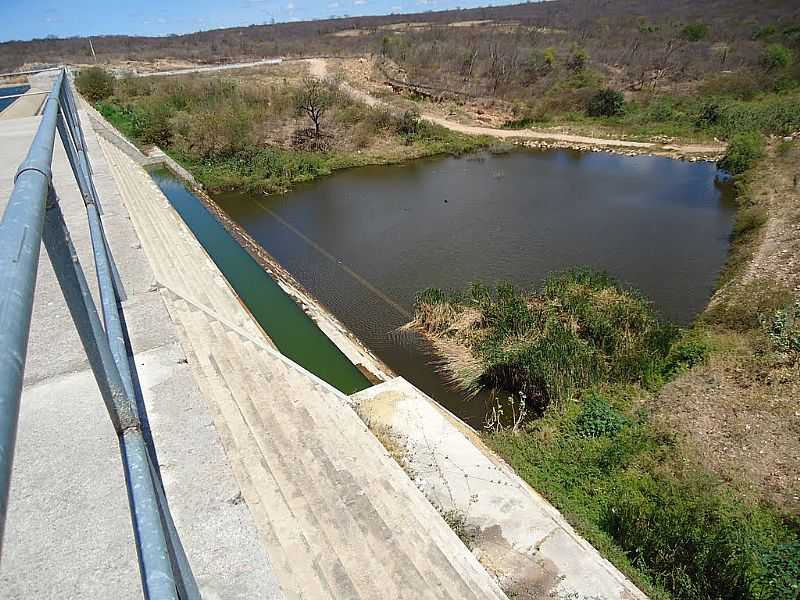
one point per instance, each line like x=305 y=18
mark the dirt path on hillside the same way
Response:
x=318 y=67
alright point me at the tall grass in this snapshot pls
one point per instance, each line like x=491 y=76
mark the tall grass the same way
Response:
x=579 y=329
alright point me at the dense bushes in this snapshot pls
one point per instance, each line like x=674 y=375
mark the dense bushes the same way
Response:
x=697 y=543
x=265 y=169
x=743 y=150
x=95 y=83
x=232 y=133
x=634 y=494
x=776 y=56
x=580 y=329
x=606 y=103
x=694 y=32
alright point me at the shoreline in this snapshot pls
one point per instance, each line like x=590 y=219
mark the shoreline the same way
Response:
x=347 y=342
x=353 y=348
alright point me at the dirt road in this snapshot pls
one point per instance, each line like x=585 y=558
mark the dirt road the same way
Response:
x=318 y=67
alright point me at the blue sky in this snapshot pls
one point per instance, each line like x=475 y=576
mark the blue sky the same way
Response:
x=27 y=19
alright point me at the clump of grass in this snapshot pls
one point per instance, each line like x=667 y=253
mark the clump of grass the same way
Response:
x=598 y=417
x=457 y=521
x=581 y=328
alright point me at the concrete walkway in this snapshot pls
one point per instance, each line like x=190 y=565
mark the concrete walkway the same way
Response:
x=68 y=532
x=337 y=515
x=27 y=105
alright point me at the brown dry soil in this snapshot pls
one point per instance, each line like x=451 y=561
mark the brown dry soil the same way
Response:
x=364 y=79
x=740 y=411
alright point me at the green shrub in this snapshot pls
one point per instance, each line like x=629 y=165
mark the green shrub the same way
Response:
x=598 y=418
x=776 y=56
x=694 y=32
x=710 y=114
x=689 y=351
x=692 y=539
x=606 y=103
x=95 y=83
x=743 y=150
x=783 y=330
x=577 y=60
x=151 y=123
x=780 y=573
x=409 y=125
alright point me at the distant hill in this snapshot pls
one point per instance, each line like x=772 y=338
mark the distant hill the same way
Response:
x=585 y=22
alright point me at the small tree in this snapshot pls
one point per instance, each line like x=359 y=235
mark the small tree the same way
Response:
x=694 y=32
x=313 y=99
x=95 y=83
x=577 y=60
x=606 y=103
x=776 y=56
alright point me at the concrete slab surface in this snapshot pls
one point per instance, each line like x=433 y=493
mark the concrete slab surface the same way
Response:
x=519 y=535
x=27 y=105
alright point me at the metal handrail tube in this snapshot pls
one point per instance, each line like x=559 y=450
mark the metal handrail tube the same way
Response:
x=24 y=222
x=72 y=137
x=20 y=241
x=118 y=353
x=155 y=565
x=25 y=94
x=33 y=72
x=70 y=97
x=154 y=557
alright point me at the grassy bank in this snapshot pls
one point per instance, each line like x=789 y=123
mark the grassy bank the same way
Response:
x=586 y=358
x=713 y=111
x=259 y=135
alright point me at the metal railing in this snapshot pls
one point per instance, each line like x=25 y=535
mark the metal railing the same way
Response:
x=33 y=216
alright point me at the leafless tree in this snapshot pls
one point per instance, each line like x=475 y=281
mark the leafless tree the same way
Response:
x=313 y=99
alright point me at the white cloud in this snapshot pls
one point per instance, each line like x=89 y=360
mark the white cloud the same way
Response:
x=290 y=6
x=359 y=2
x=333 y=5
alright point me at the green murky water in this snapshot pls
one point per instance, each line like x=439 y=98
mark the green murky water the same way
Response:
x=293 y=332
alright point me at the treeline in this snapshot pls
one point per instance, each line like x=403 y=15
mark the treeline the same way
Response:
x=627 y=32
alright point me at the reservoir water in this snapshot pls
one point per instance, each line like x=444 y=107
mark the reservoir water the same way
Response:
x=13 y=90
x=365 y=240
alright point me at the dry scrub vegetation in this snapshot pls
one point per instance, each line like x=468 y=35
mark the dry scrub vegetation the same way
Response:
x=262 y=132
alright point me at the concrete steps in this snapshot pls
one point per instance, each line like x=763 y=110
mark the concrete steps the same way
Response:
x=337 y=515
x=179 y=262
